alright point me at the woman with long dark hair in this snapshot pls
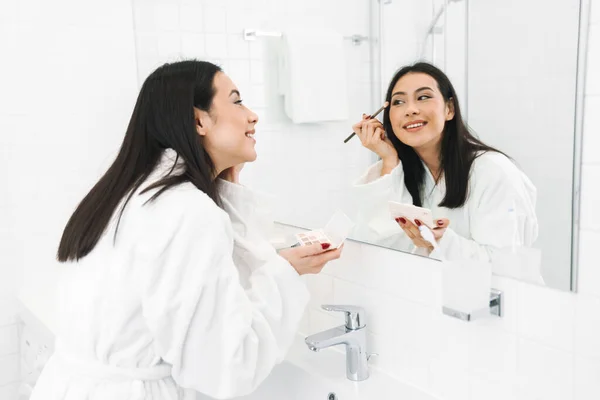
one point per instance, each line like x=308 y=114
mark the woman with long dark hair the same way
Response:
x=480 y=199
x=170 y=285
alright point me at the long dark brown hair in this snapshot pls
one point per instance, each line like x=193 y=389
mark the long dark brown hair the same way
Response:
x=459 y=147
x=163 y=117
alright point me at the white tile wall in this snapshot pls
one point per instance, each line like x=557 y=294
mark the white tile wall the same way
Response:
x=589 y=273
x=9 y=348
x=544 y=373
x=587 y=384
x=9 y=340
x=449 y=366
x=8 y=303
x=489 y=344
x=10 y=391
x=484 y=389
x=594 y=12
x=539 y=309
x=48 y=125
x=9 y=369
x=590 y=196
x=591 y=142
x=587 y=326
x=592 y=79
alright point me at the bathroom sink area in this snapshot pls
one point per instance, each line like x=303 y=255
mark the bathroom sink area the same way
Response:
x=288 y=381
x=306 y=375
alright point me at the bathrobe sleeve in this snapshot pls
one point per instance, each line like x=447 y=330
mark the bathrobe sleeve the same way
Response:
x=249 y=210
x=372 y=183
x=221 y=339
x=252 y=222
x=368 y=198
x=502 y=214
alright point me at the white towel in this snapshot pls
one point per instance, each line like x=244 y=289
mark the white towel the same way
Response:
x=313 y=76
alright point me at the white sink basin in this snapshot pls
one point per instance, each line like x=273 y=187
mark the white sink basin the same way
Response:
x=306 y=375
x=290 y=382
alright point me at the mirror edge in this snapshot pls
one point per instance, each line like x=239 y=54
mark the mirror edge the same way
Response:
x=582 y=50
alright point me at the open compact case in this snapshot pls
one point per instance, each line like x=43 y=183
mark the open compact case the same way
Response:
x=334 y=233
x=412 y=213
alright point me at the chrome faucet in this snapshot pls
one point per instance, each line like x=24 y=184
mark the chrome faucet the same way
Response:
x=352 y=334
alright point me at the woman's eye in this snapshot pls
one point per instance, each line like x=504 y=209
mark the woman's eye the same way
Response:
x=239 y=101
x=424 y=97
x=397 y=102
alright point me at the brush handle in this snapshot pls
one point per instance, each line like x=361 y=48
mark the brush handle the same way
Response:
x=349 y=137
x=369 y=117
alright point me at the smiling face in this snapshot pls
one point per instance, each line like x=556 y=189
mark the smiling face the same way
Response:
x=228 y=129
x=418 y=111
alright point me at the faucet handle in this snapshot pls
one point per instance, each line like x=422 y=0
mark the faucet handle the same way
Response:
x=355 y=316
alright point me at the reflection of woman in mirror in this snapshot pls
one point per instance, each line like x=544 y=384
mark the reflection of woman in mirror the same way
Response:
x=172 y=285
x=479 y=199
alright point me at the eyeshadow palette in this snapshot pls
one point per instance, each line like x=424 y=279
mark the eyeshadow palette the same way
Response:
x=312 y=237
x=335 y=232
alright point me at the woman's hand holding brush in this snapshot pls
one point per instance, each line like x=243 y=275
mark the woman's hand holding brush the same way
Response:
x=372 y=136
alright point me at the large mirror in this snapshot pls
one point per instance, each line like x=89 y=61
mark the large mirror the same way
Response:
x=517 y=94
x=506 y=192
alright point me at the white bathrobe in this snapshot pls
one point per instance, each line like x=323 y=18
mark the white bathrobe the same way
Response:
x=189 y=296
x=499 y=213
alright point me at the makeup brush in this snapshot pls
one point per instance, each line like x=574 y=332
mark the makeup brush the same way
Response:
x=370 y=117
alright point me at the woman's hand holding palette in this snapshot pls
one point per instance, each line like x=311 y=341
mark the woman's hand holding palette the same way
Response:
x=332 y=236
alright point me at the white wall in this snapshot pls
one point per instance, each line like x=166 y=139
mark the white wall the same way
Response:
x=547 y=346
x=404 y=39
x=68 y=84
x=522 y=79
x=403 y=27
x=295 y=162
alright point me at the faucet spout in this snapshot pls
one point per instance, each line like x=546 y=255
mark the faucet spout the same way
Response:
x=328 y=338
x=357 y=359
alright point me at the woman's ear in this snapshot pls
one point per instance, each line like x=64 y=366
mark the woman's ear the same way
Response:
x=450 y=109
x=201 y=119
